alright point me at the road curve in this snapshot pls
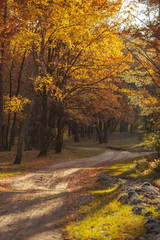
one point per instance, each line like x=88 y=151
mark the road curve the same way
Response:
x=35 y=203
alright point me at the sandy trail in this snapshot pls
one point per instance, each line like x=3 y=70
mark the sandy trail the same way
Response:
x=35 y=203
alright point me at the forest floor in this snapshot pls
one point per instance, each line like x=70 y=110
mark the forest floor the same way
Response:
x=35 y=204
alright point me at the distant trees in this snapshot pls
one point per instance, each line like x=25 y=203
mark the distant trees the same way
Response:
x=142 y=40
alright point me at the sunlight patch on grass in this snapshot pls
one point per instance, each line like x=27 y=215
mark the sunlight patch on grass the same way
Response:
x=109 y=190
x=111 y=221
x=153 y=211
x=157 y=182
x=9 y=174
x=139 y=167
x=123 y=169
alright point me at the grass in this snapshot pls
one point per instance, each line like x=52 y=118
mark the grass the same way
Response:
x=157 y=182
x=105 y=218
x=31 y=162
x=136 y=168
x=113 y=221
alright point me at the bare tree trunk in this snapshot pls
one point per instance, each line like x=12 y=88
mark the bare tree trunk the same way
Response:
x=107 y=126
x=100 y=135
x=21 y=136
x=82 y=128
x=43 y=133
x=59 y=136
x=99 y=132
x=89 y=132
x=76 y=132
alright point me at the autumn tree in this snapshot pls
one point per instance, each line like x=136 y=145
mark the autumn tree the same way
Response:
x=77 y=52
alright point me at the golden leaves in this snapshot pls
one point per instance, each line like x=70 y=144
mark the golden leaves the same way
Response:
x=48 y=84
x=14 y=104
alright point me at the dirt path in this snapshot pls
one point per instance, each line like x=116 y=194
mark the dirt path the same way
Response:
x=35 y=203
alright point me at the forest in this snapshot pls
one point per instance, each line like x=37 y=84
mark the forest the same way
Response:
x=75 y=66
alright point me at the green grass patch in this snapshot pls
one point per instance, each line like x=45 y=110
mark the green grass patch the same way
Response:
x=157 y=182
x=123 y=169
x=103 y=191
x=139 y=167
x=105 y=218
x=108 y=219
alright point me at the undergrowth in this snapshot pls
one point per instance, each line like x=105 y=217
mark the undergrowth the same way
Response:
x=106 y=217
x=146 y=167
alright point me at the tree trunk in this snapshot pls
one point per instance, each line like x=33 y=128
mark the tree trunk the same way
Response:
x=43 y=133
x=158 y=152
x=76 y=132
x=69 y=129
x=9 y=115
x=1 y=108
x=107 y=126
x=21 y=136
x=82 y=130
x=59 y=136
x=100 y=132
x=131 y=128
x=2 y=46
x=51 y=133
x=89 y=132
x=100 y=135
x=20 y=145
x=11 y=143
x=6 y=147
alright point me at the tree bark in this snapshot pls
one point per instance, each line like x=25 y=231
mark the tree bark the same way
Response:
x=59 y=136
x=43 y=133
x=89 y=132
x=21 y=136
x=100 y=135
x=82 y=130
x=76 y=132
x=1 y=107
x=107 y=126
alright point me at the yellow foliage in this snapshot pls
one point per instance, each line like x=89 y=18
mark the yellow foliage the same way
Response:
x=14 y=104
x=47 y=83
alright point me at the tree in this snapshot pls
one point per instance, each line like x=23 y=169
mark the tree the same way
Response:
x=3 y=16
x=70 y=49
x=77 y=53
